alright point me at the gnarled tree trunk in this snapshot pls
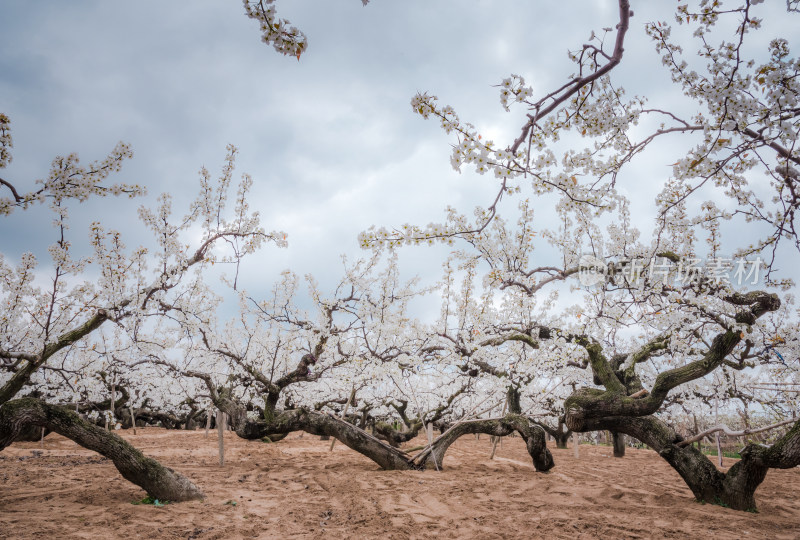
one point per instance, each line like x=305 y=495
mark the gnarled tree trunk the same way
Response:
x=736 y=488
x=158 y=481
x=396 y=437
x=532 y=434
x=625 y=406
x=316 y=423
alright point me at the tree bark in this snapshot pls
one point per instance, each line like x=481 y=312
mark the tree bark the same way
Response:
x=158 y=481
x=561 y=435
x=734 y=489
x=562 y=440
x=513 y=399
x=618 y=440
x=394 y=436
x=30 y=433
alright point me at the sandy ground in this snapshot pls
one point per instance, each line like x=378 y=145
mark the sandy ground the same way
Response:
x=296 y=488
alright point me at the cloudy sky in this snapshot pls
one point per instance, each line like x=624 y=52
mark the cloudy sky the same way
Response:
x=330 y=141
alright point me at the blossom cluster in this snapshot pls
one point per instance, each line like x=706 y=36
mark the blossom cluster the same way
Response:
x=513 y=87
x=284 y=37
x=6 y=143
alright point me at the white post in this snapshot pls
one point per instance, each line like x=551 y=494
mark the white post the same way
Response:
x=344 y=414
x=221 y=436
x=575 y=449
x=716 y=435
x=429 y=433
x=133 y=419
x=496 y=438
x=77 y=402
x=111 y=403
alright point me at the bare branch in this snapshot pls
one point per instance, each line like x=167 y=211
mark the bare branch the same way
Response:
x=728 y=431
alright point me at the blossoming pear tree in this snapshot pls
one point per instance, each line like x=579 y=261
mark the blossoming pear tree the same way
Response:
x=653 y=321
x=45 y=321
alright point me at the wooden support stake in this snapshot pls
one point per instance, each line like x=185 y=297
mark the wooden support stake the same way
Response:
x=41 y=441
x=77 y=402
x=133 y=419
x=113 y=399
x=716 y=435
x=496 y=438
x=221 y=436
x=344 y=414
x=208 y=421
x=429 y=433
x=575 y=444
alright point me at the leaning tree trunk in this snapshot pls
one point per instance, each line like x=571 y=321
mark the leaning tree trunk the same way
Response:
x=735 y=489
x=532 y=434
x=316 y=423
x=158 y=481
x=618 y=440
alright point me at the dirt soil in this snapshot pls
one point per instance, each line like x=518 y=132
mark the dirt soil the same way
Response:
x=297 y=488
